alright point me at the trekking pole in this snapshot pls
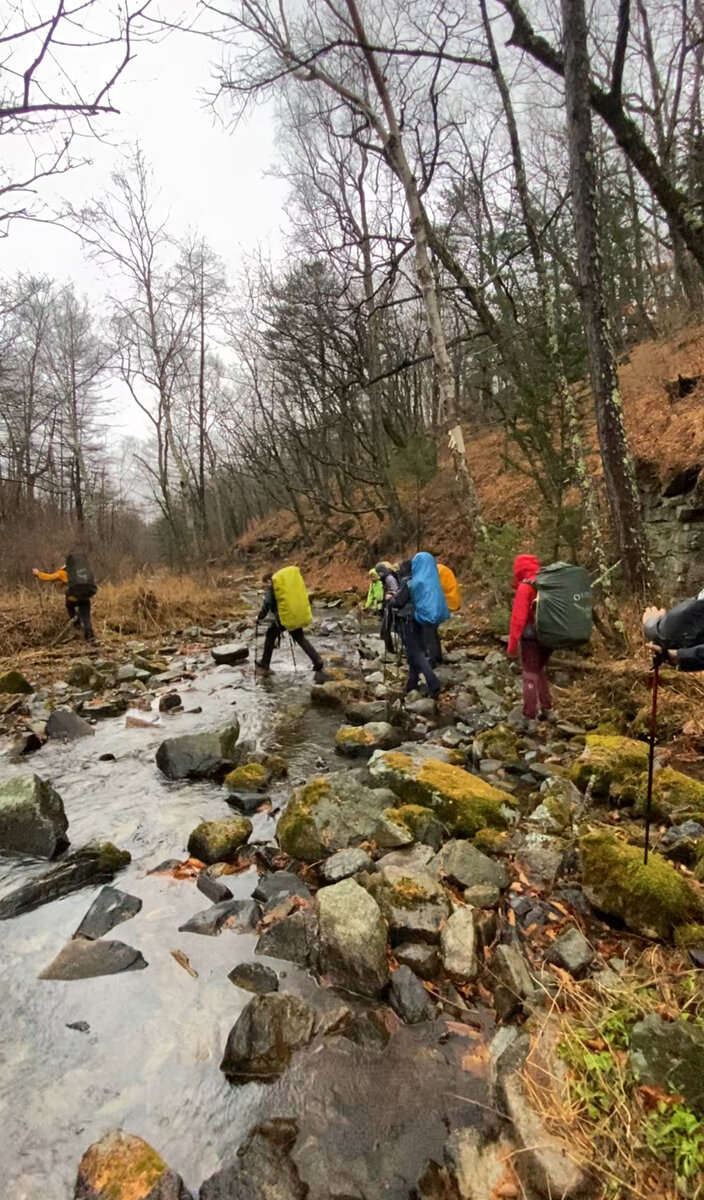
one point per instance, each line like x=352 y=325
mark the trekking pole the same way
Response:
x=651 y=755
x=256 y=642
x=293 y=654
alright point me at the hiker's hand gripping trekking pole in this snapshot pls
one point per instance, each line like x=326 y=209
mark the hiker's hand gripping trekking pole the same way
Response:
x=657 y=659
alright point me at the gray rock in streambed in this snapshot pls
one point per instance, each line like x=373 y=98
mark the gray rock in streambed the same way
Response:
x=110 y=908
x=344 y=864
x=83 y=958
x=263 y=1167
x=213 y=887
x=294 y=938
x=254 y=977
x=208 y=755
x=65 y=725
x=572 y=952
x=408 y=997
x=461 y=862
x=278 y=885
x=90 y=865
x=32 y=817
x=230 y=653
x=352 y=936
x=263 y=1038
x=241 y=916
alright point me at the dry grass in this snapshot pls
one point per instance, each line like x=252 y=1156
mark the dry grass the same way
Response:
x=611 y=1121
x=144 y=607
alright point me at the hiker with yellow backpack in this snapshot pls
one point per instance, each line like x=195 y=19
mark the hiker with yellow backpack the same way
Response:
x=431 y=633
x=287 y=604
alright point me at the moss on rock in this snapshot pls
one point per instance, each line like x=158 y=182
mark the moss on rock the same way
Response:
x=687 y=936
x=276 y=765
x=219 y=841
x=124 y=1167
x=463 y=802
x=651 y=900
x=500 y=742
x=329 y=813
x=421 y=823
x=13 y=683
x=250 y=777
x=493 y=841
x=674 y=795
x=610 y=763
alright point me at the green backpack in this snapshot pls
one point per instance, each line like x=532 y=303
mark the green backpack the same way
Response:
x=563 y=610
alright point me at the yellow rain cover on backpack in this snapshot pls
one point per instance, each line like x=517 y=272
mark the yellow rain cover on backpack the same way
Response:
x=291 y=598
x=450 y=587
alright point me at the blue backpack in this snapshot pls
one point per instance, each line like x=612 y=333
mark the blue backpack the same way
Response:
x=428 y=597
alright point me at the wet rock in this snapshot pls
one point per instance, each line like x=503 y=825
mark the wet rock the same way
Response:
x=263 y=1168
x=481 y=1170
x=250 y=777
x=13 y=683
x=423 y=959
x=124 y=1167
x=213 y=887
x=408 y=997
x=278 y=885
x=32 y=817
x=66 y=724
x=337 y=693
x=207 y=755
x=458 y=946
x=360 y=741
x=412 y=901
x=670 y=1055
x=82 y=958
x=424 y=707
x=463 y=802
x=246 y=802
x=238 y=915
x=681 y=843
x=510 y=981
x=230 y=653
x=169 y=702
x=366 y=711
x=389 y=834
x=79 y=1026
x=330 y=813
x=92 y=864
x=103 y=708
x=344 y=864
x=127 y=673
x=651 y=900
x=219 y=841
x=293 y=938
x=352 y=938
x=265 y=1035
x=421 y=823
x=110 y=908
x=28 y=742
x=462 y=863
x=254 y=977
x=572 y=952
x=370 y=1030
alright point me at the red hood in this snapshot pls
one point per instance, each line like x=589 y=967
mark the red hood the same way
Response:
x=525 y=566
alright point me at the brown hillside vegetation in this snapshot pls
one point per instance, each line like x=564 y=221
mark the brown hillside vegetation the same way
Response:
x=666 y=432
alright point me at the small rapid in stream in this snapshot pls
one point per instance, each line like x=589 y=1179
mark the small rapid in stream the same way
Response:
x=149 y=1060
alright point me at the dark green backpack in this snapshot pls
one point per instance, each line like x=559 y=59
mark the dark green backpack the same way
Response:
x=563 y=610
x=81 y=584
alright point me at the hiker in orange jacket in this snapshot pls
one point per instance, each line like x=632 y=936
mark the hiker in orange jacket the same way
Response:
x=78 y=605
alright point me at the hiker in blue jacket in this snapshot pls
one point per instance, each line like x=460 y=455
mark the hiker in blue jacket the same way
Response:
x=415 y=599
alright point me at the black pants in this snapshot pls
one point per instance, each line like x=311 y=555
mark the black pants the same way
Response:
x=274 y=632
x=385 y=631
x=412 y=634
x=79 y=612
x=431 y=642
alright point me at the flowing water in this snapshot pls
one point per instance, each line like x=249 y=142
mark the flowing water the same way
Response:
x=149 y=1062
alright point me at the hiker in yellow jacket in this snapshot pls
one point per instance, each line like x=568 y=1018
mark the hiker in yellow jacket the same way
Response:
x=286 y=603
x=76 y=579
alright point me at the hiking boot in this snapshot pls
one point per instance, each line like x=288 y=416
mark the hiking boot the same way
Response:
x=320 y=675
x=261 y=670
x=548 y=715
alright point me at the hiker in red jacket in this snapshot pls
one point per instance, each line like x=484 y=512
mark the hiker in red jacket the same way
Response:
x=534 y=657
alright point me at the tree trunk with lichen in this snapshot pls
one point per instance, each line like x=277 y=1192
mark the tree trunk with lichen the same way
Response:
x=619 y=471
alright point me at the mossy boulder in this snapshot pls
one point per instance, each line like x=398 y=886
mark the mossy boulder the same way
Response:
x=651 y=900
x=32 y=817
x=124 y=1167
x=276 y=765
x=500 y=742
x=412 y=900
x=84 y=675
x=493 y=841
x=219 y=841
x=463 y=802
x=675 y=795
x=337 y=693
x=360 y=741
x=251 y=777
x=611 y=764
x=689 y=937
x=13 y=683
x=330 y=813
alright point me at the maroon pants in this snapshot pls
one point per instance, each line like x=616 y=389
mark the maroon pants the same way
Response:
x=536 y=692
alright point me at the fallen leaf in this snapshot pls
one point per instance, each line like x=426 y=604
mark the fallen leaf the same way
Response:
x=462 y=1030
x=653 y=1095
x=183 y=961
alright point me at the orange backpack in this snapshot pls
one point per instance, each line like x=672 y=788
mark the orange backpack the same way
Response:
x=450 y=587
